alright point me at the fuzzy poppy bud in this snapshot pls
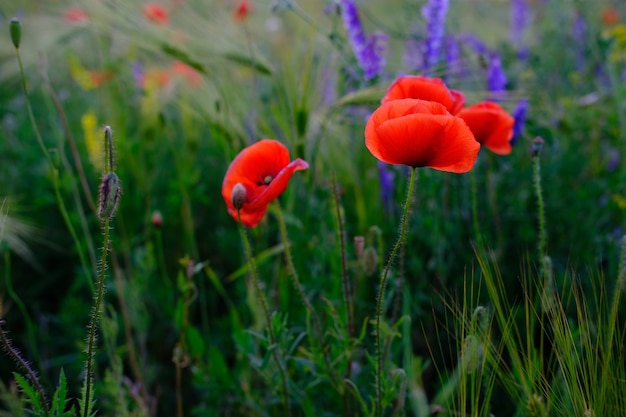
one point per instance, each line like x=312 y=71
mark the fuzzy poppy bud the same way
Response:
x=370 y=261
x=157 y=219
x=110 y=191
x=16 y=32
x=359 y=243
x=536 y=146
x=238 y=196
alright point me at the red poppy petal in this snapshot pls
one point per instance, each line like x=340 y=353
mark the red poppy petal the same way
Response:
x=459 y=149
x=249 y=218
x=278 y=184
x=420 y=87
x=459 y=101
x=491 y=124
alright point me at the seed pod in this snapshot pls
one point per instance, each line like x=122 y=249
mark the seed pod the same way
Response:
x=16 y=32
x=370 y=261
x=110 y=190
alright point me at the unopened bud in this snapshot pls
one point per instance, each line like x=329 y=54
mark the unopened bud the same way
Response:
x=157 y=219
x=238 y=196
x=359 y=243
x=370 y=261
x=110 y=191
x=536 y=146
x=16 y=32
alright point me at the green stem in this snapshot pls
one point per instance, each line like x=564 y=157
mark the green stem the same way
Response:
x=381 y=291
x=541 y=244
x=94 y=320
x=474 y=193
x=55 y=173
x=268 y=319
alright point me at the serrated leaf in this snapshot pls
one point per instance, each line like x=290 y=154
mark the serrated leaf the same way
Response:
x=371 y=95
x=32 y=396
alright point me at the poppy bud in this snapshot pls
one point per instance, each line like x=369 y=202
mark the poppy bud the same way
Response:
x=157 y=219
x=110 y=191
x=359 y=243
x=238 y=196
x=16 y=32
x=370 y=261
x=536 y=146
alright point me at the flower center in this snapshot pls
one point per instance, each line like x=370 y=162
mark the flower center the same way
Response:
x=267 y=179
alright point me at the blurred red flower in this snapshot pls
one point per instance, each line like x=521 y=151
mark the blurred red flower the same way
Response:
x=190 y=74
x=264 y=170
x=610 y=16
x=156 y=13
x=425 y=88
x=76 y=15
x=241 y=11
x=491 y=124
x=420 y=133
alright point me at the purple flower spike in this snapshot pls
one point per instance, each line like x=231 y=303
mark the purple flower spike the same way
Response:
x=519 y=114
x=434 y=12
x=496 y=78
x=367 y=50
x=474 y=42
x=519 y=20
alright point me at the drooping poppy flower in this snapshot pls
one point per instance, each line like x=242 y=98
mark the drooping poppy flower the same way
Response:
x=264 y=170
x=425 y=88
x=420 y=133
x=156 y=13
x=491 y=124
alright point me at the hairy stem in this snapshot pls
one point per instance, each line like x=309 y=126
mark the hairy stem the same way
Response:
x=381 y=291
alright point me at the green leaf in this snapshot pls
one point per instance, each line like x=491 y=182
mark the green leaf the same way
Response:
x=195 y=343
x=248 y=61
x=261 y=258
x=32 y=396
x=183 y=56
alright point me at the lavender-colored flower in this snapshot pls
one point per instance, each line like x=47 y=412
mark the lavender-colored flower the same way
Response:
x=367 y=50
x=579 y=34
x=386 y=176
x=137 y=71
x=453 y=56
x=413 y=54
x=474 y=42
x=519 y=20
x=519 y=114
x=496 y=78
x=434 y=11
x=613 y=160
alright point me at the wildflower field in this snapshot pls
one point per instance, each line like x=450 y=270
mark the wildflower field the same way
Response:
x=313 y=208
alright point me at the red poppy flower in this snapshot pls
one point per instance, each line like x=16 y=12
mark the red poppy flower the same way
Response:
x=156 y=13
x=191 y=75
x=241 y=11
x=420 y=133
x=424 y=88
x=610 y=16
x=76 y=15
x=491 y=124
x=263 y=169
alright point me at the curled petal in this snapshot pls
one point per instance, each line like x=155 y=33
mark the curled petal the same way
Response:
x=263 y=170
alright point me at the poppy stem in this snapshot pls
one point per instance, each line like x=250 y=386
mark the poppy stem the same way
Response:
x=541 y=244
x=474 y=191
x=268 y=319
x=404 y=222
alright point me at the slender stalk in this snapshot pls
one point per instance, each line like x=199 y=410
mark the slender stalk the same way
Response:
x=55 y=172
x=94 y=320
x=541 y=244
x=15 y=354
x=474 y=196
x=347 y=294
x=268 y=319
x=381 y=291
